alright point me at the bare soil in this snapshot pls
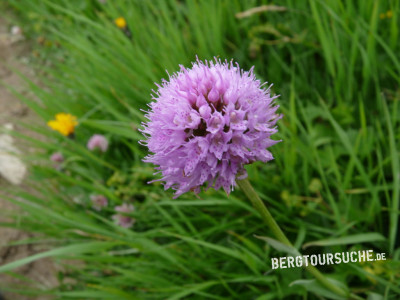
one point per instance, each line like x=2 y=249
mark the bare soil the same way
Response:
x=14 y=53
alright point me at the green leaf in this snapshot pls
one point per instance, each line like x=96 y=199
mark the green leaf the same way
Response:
x=62 y=251
x=279 y=246
x=313 y=286
x=374 y=296
x=350 y=239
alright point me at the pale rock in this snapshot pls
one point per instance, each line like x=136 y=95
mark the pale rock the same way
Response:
x=11 y=167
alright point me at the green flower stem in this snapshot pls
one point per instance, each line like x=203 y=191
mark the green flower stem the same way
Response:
x=281 y=237
x=248 y=189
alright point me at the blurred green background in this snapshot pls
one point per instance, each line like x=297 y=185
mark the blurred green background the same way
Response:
x=333 y=186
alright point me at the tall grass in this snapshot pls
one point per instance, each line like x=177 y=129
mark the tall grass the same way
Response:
x=333 y=186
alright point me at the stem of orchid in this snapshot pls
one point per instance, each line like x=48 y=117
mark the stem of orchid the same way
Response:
x=248 y=189
x=281 y=237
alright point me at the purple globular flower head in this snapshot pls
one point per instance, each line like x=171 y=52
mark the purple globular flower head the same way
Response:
x=98 y=141
x=98 y=201
x=206 y=123
x=57 y=157
x=121 y=218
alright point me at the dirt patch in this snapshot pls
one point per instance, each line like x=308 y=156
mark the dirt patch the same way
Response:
x=14 y=52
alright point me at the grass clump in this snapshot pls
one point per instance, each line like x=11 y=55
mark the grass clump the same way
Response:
x=333 y=186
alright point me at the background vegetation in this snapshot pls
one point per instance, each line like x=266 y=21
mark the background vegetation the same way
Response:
x=333 y=186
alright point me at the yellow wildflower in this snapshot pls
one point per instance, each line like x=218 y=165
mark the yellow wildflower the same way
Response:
x=120 y=22
x=389 y=14
x=382 y=15
x=64 y=123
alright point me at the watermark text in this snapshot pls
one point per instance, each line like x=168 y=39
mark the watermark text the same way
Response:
x=325 y=259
